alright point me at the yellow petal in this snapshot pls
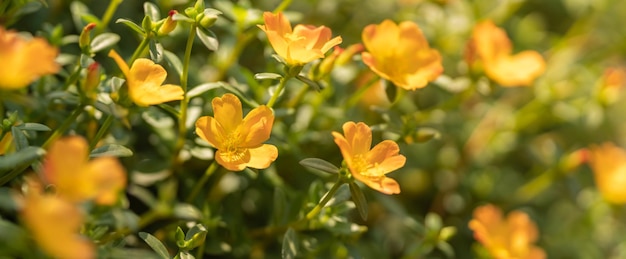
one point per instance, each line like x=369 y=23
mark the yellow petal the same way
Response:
x=120 y=62
x=256 y=127
x=65 y=167
x=383 y=184
x=227 y=111
x=233 y=160
x=517 y=70
x=608 y=163
x=262 y=157
x=359 y=137
x=144 y=84
x=490 y=41
x=110 y=179
x=386 y=156
x=210 y=130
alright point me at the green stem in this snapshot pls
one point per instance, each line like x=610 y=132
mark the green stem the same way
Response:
x=103 y=130
x=207 y=174
x=360 y=92
x=279 y=89
x=329 y=195
x=283 y=5
x=108 y=14
x=142 y=46
x=184 y=77
x=145 y=220
x=55 y=135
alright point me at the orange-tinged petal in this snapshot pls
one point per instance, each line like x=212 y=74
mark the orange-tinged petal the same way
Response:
x=344 y=147
x=228 y=112
x=210 y=130
x=235 y=160
x=386 y=155
x=55 y=225
x=276 y=22
x=144 y=84
x=490 y=41
x=384 y=185
x=517 y=70
x=24 y=60
x=110 y=177
x=359 y=137
x=256 y=127
x=262 y=157
x=608 y=163
x=120 y=62
x=65 y=167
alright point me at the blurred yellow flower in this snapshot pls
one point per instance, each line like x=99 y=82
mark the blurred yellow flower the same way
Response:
x=608 y=163
x=400 y=53
x=369 y=166
x=490 y=45
x=23 y=61
x=66 y=166
x=144 y=79
x=239 y=142
x=55 y=224
x=510 y=238
x=300 y=46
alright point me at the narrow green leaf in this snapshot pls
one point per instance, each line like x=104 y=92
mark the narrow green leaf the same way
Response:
x=281 y=207
x=290 y=245
x=187 y=211
x=111 y=150
x=263 y=76
x=78 y=9
x=155 y=244
x=208 y=38
x=25 y=155
x=180 y=237
x=29 y=7
x=359 y=200
x=104 y=41
x=309 y=82
x=33 y=126
x=156 y=51
x=151 y=10
x=319 y=164
x=131 y=25
x=185 y=255
x=195 y=237
x=182 y=18
x=174 y=62
x=203 y=88
x=19 y=138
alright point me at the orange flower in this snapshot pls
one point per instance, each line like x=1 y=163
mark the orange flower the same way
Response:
x=300 y=46
x=400 y=53
x=75 y=178
x=369 y=166
x=491 y=45
x=55 y=224
x=239 y=142
x=510 y=238
x=144 y=79
x=24 y=60
x=608 y=163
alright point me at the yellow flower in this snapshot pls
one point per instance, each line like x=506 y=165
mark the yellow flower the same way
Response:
x=23 y=61
x=400 y=54
x=608 y=163
x=66 y=166
x=239 y=142
x=510 y=238
x=55 y=224
x=144 y=79
x=369 y=166
x=300 y=46
x=492 y=47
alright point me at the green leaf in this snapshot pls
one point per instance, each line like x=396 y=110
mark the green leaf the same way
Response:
x=195 y=237
x=359 y=200
x=185 y=255
x=23 y=156
x=180 y=237
x=104 y=41
x=319 y=164
x=208 y=38
x=131 y=25
x=433 y=222
x=152 y=10
x=19 y=138
x=155 y=244
x=187 y=212
x=33 y=126
x=174 y=62
x=111 y=150
x=310 y=83
x=156 y=51
x=78 y=9
x=203 y=88
x=29 y=7
x=182 y=18
x=263 y=76
x=290 y=245
x=281 y=207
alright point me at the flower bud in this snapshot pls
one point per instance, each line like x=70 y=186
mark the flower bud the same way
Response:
x=92 y=80
x=327 y=64
x=85 y=37
x=169 y=24
x=346 y=55
x=208 y=17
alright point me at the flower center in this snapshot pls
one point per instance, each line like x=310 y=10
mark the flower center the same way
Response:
x=367 y=169
x=233 y=152
x=292 y=37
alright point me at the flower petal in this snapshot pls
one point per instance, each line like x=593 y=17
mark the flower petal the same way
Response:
x=359 y=137
x=233 y=161
x=256 y=127
x=109 y=177
x=262 y=157
x=144 y=84
x=65 y=166
x=210 y=130
x=386 y=156
x=517 y=70
x=120 y=62
x=227 y=111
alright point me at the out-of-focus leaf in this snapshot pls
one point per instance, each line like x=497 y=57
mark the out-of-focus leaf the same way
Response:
x=78 y=9
x=446 y=249
x=155 y=244
x=174 y=61
x=131 y=25
x=290 y=245
x=104 y=41
x=152 y=10
x=200 y=89
x=187 y=211
x=33 y=126
x=281 y=207
x=195 y=237
x=319 y=164
x=208 y=38
x=342 y=195
x=19 y=138
x=310 y=83
x=359 y=200
x=28 y=7
x=111 y=150
x=156 y=51
x=185 y=255
x=433 y=222
x=263 y=76
x=182 y=18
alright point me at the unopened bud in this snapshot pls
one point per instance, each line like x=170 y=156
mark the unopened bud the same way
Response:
x=169 y=24
x=572 y=160
x=85 y=37
x=346 y=55
x=328 y=63
x=92 y=80
x=208 y=17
